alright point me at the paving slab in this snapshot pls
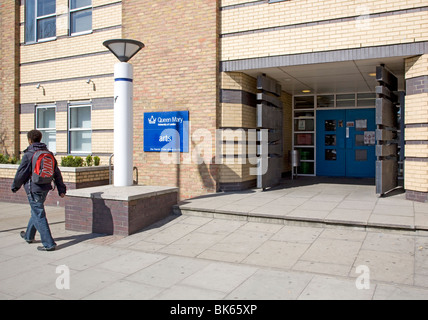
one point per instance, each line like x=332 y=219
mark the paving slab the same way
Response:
x=192 y=257
x=330 y=288
x=271 y=285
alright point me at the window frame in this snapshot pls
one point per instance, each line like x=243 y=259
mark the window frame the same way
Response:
x=72 y=11
x=71 y=130
x=43 y=130
x=36 y=20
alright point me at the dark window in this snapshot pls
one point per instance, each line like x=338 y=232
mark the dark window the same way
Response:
x=80 y=16
x=40 y=20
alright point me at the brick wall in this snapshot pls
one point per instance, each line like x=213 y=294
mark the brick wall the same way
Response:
x=261 y=29
x=74 y=178
x=62 y=67
x=9 y=77
x=177 y=70
x=117 y=217
x=239 y=110
x=416 y=130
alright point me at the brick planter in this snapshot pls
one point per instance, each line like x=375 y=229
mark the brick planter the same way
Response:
x=117 y=210
x=74 y=178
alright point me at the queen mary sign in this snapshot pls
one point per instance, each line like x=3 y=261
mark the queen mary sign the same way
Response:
x=166 y=131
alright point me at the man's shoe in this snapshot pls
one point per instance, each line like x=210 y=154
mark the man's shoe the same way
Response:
x=23 y=237
x=46 y=249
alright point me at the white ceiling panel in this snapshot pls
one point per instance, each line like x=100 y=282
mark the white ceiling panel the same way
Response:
x=337 y=77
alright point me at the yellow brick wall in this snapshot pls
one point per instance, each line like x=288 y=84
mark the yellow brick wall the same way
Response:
x=238 y=81
x=296 y=12
x=63 y=66
x=240 y=115
x=417 y=133
x=9 y=78
x=416 y=66
x=416 y=110
x=235 y=115
x=416 y=178
x=416 y=119
x=417 y=150
x=67 y=90
x=402 y=28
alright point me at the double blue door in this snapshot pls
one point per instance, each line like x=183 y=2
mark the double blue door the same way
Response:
x=346 y=143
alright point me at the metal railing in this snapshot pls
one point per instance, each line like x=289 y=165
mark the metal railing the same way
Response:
x=110 y=171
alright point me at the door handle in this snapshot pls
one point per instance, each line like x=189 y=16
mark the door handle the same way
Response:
x=347 y=133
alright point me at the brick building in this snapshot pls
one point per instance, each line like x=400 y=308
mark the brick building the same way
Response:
x=205 y=57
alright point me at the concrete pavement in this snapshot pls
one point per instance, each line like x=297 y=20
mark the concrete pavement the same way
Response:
x=318 y=200
x=189 y=257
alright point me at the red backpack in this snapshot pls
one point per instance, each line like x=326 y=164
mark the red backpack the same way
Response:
x=43 y=167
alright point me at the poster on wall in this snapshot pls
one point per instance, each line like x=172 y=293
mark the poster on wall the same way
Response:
x=166 y=131
x=370 y=138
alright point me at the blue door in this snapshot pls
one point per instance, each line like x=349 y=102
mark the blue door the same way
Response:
x=346 y=143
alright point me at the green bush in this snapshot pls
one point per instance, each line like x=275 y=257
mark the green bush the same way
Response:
x=97 y=161
x=89 y=161
x=70 y=161
x=6 y=159
x=67 y=161
x=78 y=161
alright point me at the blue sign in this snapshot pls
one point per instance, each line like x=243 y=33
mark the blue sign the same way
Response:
x=166 y=131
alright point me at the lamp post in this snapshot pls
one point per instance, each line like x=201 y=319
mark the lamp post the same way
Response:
x=124 y=50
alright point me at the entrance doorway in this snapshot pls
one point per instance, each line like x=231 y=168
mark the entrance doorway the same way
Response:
x=346 y=143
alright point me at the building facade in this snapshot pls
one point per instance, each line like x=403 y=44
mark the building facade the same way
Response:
x=206 y=58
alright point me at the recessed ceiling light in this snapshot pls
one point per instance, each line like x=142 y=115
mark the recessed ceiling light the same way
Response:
x=373 y=74
x=306 y=91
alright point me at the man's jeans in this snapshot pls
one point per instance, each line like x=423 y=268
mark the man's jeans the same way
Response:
x=38 y=221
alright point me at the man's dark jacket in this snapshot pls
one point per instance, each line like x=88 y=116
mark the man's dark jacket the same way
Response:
x=24 y=173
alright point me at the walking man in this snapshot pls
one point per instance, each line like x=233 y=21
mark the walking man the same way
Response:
x=37 y=187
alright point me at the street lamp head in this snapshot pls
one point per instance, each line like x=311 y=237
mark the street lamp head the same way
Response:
x=124 y=49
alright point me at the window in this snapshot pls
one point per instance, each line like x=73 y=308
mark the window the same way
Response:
x=46 y=123
x=80 y=16
x=40 y=20
x=80 y=132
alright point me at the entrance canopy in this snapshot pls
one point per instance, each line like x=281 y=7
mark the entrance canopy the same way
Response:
x=332 y=77
x=336 y=71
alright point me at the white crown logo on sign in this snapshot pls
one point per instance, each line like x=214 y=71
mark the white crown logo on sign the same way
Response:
x=152 y=120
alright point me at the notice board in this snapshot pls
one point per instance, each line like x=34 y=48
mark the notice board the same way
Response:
x=166 y=131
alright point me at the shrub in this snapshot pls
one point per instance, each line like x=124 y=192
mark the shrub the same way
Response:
x=6 y=159
x=78 y=162
x=89 y=161
x=67 y=161
x=70 y=161
x=97 y=161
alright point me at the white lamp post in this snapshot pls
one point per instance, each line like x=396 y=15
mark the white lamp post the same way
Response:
x=124 y=50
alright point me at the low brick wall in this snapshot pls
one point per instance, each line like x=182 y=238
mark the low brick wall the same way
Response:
x=112 y=210
x=417 y=196
x=74 y=178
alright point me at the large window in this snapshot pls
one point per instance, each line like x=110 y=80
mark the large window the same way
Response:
x=80 y=16
x=80 y=129
x=40 y=20
x=46 y=123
